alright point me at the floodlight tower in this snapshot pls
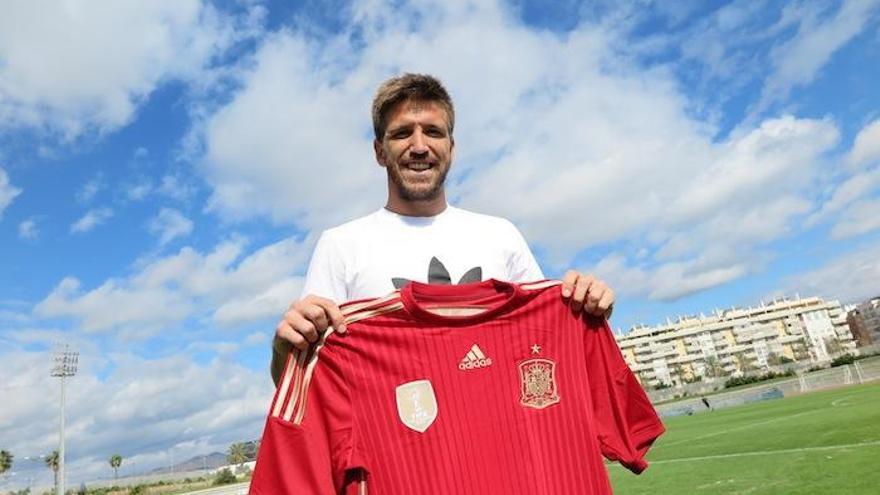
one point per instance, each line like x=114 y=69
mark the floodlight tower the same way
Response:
x=65 y=362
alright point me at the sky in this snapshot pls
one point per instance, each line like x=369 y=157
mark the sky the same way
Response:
x=166 y=167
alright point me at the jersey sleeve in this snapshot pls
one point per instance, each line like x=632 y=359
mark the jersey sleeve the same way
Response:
x=626 y=421
x=307 y=444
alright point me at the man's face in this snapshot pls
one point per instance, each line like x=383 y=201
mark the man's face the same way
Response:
x=416 y=150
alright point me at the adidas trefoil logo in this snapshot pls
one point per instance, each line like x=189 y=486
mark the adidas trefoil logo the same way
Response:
x=474 y=359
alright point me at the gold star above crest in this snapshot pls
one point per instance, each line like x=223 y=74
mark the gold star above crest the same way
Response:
x=536 y=349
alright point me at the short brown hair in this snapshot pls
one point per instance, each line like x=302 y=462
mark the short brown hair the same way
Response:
x=420 y=87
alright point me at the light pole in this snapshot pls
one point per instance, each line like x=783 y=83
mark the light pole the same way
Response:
x=65 y=363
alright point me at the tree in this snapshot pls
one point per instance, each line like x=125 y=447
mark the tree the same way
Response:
x=743 y=362
x=713 y=367
x=5 y=461
x=237 y=453
x=799 y=351
x=115 y=462
x=224 y=477
x=52 y=461
x=833 y=346
x=677 y=372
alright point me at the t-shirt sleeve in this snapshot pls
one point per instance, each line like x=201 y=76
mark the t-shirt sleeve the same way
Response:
x=626 y=421
x=522 y=266
x=307 y=444
x=326 y=274
x=325 y=278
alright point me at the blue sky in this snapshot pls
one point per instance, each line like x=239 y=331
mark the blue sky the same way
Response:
x=165 y=168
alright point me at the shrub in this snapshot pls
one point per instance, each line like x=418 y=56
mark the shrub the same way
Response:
x=841 y=360
x=224 y=477
x=738 y=381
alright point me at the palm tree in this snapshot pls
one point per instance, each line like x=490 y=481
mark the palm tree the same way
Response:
x=5 y=461
x=115 y=462
x=52 y=463
x=237 y=454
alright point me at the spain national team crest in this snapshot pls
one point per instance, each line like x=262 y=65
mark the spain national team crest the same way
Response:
x=538 y=383
x=416 y=404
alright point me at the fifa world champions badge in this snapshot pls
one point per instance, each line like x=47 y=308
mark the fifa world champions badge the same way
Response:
x=416 y=404
x=538 y=389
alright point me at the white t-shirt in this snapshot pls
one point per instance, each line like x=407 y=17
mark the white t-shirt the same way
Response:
x=373 y=255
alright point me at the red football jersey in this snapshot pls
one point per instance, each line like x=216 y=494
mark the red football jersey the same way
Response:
x=489 y=388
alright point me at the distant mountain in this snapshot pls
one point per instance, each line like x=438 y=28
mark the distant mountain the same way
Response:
x=210 y=461
x=199 y=462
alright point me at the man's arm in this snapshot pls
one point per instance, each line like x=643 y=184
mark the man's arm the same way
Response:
x=307 y=318
x=301 y=325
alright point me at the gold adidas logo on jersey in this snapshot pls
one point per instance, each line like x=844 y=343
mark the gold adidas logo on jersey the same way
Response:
x=474 y=359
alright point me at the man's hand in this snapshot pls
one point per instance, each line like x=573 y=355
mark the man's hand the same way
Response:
x=305 y=321
x=587 y=293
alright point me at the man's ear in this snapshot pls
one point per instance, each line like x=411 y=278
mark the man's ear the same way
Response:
x=379 y=152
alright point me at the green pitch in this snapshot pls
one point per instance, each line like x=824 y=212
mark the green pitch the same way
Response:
x=817 y=443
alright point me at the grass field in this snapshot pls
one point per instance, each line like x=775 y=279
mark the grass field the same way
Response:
x=819 y=443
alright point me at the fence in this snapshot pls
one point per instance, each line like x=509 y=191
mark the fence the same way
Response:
x=861 y=371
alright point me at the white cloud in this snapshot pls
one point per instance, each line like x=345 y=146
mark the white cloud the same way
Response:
x=797 y=61
x=151 y=307
x=866 y=148
x=850 y=278
x=169 y=224
x=850 y=202
x=860 y=218
x=58 y=73
x=577 y=144
x=8 y=192
x=666 y=281
x=267 y=303
x=289 y=147
x=224 y=285
x=257 y=338
x=176 y=187
x=138 y=191
x=28 y=230
x=91 y=219
x=91 y=188
x=191 y=408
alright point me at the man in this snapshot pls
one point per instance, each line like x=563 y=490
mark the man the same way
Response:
x=417 y=235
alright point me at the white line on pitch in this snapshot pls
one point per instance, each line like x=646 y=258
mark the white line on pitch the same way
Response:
x=874 y=443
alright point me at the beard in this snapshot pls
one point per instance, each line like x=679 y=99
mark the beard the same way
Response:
x=420 y=191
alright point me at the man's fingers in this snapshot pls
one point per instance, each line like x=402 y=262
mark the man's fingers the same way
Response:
x=332 y=312
x=594 y=298
x=581 y=292
x=606 y=305
x=303 y=326
x=568 y=282
x=286 y=332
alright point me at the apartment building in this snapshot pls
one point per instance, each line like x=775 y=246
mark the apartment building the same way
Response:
x=737 y=340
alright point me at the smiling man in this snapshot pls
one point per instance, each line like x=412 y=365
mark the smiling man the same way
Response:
x=417 y=235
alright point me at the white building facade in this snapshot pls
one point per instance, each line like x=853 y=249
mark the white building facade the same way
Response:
x=736 y=341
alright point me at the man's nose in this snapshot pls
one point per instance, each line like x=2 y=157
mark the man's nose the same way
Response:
x=418 y=145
